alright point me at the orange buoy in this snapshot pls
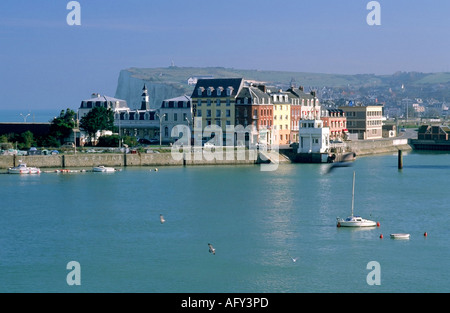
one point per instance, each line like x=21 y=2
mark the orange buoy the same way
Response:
x=381 y=236
x=378 y=224
x=425 y=234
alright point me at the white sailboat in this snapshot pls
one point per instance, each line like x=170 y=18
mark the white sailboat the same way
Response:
x=352 y=220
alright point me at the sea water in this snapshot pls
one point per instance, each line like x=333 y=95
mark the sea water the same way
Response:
x=257 y=221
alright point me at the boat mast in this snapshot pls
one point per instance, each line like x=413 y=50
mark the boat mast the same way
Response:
x=353 y=192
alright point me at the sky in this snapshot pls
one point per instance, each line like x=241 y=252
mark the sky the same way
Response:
x=45 y=63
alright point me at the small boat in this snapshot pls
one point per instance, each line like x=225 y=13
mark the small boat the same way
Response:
x=400 y=236
x=102 y=168
x=352 y=220
x=22 y=168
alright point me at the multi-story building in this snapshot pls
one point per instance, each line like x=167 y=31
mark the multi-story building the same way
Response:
x=142 y=123
x=365 y=121
x=98 y=100
x=174 y=112
x=254 y=108
x=337 y=122
x=281 y=116
x=304 y=106
x=214 y=102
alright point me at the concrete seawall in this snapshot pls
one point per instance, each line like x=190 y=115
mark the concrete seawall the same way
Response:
x=83 y=160
x=249 y=157
x=369 y=147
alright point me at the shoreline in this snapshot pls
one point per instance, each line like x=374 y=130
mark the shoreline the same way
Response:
x=246 y=157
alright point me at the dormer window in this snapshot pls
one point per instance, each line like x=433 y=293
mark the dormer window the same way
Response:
x=210 y=90
x=219 y=91
x=200 y=90
x=229 y=91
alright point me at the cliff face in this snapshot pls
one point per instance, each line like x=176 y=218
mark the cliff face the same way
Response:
x=129 y=88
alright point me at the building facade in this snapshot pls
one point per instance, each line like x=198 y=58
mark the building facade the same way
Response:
x=281 y=102
x=253 y=108
x=214 y=103
x=336 y=120
x=365 y=121
x=173 y=113
x=106 y=102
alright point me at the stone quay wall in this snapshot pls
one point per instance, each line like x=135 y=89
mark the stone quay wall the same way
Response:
x=380 y=146
x=84 y=160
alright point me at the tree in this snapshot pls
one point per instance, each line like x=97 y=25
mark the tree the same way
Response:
x=62 y=127
x=27 y=140
x=99 y=118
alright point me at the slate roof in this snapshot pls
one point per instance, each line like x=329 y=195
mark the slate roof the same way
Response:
x=215 y=84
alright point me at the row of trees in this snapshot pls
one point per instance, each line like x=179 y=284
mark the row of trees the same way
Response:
x=62 y=127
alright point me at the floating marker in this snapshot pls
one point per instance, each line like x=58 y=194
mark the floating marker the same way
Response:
x=381 y=236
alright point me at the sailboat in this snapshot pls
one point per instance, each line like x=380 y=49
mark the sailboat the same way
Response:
x=353 y=220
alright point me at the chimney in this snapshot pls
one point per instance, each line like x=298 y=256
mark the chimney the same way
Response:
x=301 y=88
x=263 y=88
x=313 y=93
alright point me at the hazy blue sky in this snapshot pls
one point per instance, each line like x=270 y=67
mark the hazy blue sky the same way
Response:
x=45 y=63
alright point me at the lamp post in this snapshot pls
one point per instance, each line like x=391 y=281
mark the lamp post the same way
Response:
x=160 y=126
x=25 y=117
x=75 y=134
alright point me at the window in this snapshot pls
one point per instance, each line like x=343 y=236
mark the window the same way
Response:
x=199 y=113
x=208 y=113
x=218 y=102
x=175 y=116
x=208 y=102
x=218 y=113
x=228 y=113
x=228 y=102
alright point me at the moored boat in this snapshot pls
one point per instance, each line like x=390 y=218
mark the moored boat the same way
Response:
x=22 y=168
x=400 y=236
x=352 y=220
x=102 y=168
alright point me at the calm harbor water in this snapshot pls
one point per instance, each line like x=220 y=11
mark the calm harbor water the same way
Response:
x=257 y=221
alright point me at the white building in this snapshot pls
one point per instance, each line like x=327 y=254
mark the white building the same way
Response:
x=174 y=112
x=313 y=137
x=97 y=100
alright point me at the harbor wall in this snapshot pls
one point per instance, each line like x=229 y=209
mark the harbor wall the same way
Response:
x=369 y=147
x=86 y=160
x=83 y=160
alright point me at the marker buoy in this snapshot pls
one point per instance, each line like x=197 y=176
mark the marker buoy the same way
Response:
x=381 y=236
x=378 y=224
x=425 y=234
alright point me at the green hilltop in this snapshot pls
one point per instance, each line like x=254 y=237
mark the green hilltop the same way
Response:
x=179 y=75
x=167 y=82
